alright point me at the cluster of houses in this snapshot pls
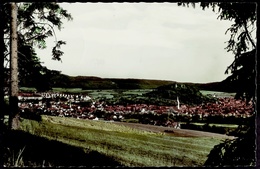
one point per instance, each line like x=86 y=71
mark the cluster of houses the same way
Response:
x=84 y=107
x=225 y=107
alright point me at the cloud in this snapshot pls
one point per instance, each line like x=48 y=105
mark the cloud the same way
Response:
x=144 y=40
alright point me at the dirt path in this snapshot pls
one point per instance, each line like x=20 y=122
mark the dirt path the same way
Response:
x=173 y=131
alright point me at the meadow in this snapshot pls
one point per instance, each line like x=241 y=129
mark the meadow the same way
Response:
x=217 y=93
x=125 y=145
x=109 y=93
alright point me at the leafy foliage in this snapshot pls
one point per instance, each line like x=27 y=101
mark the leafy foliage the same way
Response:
x=36 y=22
x=244 y=77
x=238 y=152
x=241 y=43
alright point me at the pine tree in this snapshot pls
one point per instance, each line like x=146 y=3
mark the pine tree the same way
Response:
x=35 y=22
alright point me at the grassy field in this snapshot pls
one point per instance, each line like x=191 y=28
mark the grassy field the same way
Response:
x=218 y=125
x=217 y=94
x=109 y=92
x=27 y=89
x=128 y=146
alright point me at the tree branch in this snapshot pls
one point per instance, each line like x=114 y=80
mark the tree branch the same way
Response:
x=248 y=35
x=50 y=27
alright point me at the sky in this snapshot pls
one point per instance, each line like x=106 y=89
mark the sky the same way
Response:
x=161 y=41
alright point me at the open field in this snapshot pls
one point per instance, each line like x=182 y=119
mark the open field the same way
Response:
x=218 y=125
x=217 y=94
x=127 y=145
x=173 y=131
x=111 y=92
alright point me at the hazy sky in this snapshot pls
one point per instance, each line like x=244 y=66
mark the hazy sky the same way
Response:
x=142 y=40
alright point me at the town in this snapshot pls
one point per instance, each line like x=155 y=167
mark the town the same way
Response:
x=82 y=106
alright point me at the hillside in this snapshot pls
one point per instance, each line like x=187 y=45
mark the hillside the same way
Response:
x=186 y=93
x=106 y=143
x=92 y=82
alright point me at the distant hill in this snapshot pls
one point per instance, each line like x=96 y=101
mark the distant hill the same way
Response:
x=93 y=82
x=139 y=83
x=223 y=86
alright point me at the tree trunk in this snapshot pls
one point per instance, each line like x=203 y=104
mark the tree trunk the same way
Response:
x=2 y=108
x=14 y=115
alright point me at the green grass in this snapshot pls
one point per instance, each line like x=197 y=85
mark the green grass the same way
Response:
x=128 y=146
x=217 y=94
x=27 y=89
x=101 y=93
x=137 y=91
x=218 y=125
x=130 y=120
x=110 y=93
x=68 y=90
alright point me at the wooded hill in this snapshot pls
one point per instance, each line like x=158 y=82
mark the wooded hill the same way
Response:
x=92 y=82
